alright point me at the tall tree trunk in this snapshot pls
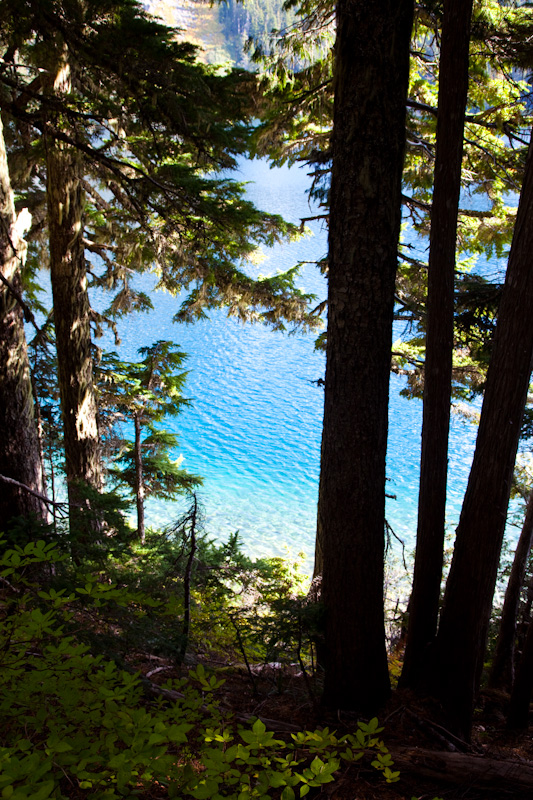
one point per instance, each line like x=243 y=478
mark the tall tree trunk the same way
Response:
x=453 y=90
x=20 y=456
x=518 y=716
x=457 y=658
x=139 y=480
x=502 y=671
x=371 y=74
x=65 y=203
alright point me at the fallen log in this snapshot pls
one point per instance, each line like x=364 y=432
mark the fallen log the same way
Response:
x=463 y=768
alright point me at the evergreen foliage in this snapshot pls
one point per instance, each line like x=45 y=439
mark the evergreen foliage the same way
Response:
x=144 y=394
x=297 y=122
x=253 y=21
x=128 y=167
x=151 y=140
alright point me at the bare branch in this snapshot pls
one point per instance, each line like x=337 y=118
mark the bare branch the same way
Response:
x=19 y=485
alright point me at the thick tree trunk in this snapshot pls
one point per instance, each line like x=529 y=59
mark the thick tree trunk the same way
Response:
x=453 y=89
x=139 y=481
x=72 y=317
x=20 y=455
x=456 y=660
x=502 y=670
x=371 y=73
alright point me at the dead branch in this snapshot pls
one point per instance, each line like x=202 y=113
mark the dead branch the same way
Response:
x=25 y=488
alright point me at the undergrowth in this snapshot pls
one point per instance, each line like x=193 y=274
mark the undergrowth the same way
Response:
x=77 y=721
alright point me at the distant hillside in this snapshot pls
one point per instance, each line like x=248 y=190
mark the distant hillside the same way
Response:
x=223 y=29
x=200 y=24
x=251 y=19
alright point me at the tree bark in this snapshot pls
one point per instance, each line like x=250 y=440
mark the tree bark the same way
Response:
x=518 y=716
x=139 y=480
x=65 y=203
x=371 y=75
x=502 y=670
x=463 y=768
x=456 y=660
x=453 y=90
x=20 y=452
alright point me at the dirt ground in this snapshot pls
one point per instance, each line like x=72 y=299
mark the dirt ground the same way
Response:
x=496 y=764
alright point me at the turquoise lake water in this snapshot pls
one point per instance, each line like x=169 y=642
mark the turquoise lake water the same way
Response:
x=253 y=430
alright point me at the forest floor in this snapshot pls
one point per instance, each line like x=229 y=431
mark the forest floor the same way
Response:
x=433 y=764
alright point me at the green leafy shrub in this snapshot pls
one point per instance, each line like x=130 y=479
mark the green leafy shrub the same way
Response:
x=74 y=724
x=236 y=603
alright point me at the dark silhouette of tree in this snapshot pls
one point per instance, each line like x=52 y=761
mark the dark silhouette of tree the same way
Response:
x=453 y=89
x=518 y=713
x=371 y=77
x=453 y=670
x=502 y=670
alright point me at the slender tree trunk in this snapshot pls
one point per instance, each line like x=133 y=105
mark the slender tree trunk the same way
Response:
x=371 y=74
x=453 y=90
x=20 y=456
x=502 y=670
x=139 y=481
x=72 y=317
x=518 y=716
x=187 y=583
x=456 y=661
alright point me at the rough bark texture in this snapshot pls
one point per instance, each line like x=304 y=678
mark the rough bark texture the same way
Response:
x=456 y=659
x=72 y=316
x=71 y=313
x=371 y=71
x=20 y=456
x=502 y=670
x=453 y=88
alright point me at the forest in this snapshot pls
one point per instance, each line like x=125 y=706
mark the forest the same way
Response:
x=155 y=663
x=252 y=25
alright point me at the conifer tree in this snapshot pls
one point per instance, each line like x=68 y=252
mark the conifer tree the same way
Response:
x=371 y=78
x=297 y=120
x=298 y=126
x=20 y=455
x=453 y=88
x=131 y=121
x=144 y=393
x=65 y=207
x=455 y=660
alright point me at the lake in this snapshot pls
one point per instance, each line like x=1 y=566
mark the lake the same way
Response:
x=253 y=430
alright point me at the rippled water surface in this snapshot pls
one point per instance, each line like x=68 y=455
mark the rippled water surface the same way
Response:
x=253 y=430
